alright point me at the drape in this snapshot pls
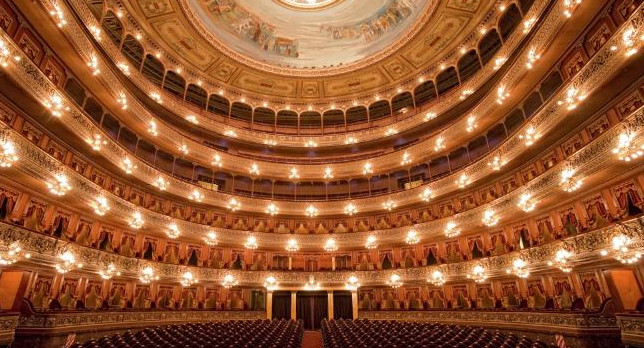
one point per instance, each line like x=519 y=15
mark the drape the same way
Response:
x=342 y=305
x=312 y=307
x=282 y=305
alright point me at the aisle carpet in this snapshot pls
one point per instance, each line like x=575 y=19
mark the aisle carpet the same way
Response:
x=312 y=339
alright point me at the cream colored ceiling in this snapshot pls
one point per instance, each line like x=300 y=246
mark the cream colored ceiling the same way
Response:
x=186 y=32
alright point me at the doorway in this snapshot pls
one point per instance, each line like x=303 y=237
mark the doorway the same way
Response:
x=312 y=307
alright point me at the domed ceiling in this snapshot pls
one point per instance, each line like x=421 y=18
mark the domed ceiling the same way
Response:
x=311 y=49
x=308 y=33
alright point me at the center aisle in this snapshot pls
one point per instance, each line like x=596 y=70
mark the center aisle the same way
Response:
x=312 y=339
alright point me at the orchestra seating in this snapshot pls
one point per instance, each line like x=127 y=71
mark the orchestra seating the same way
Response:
x=250 y=334
x=366 y=333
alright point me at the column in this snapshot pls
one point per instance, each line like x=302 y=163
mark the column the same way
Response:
x=269 y=305
x=293 y=305
x=354 y=304
x=333 y=262
x=330 y=303
x=290 y=262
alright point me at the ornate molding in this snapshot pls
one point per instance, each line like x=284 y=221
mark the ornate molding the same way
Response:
x=45 y=249
x=632 y=328
x=8 y=325
x=44 y=323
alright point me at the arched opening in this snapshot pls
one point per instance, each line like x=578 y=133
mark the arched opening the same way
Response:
x=425 y=93
x=113 y=28
x=241 y=111
x=153 y=70
x=197 y=96
x=447 y=80
x=218 y=105
x=489 y=45
x=509 y=21
x=402 y=103
x=468 y=65
x=174 y=84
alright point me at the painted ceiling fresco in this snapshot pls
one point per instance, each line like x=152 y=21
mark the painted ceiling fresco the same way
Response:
x=308 y=33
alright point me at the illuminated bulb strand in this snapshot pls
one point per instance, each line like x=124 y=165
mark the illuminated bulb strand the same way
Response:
x=426 y=195
x=389 y=205
x=572 y=99
x=59 y=186
x=621 y=250
x=96 y=142
x=56 y=106
x=216 y=161
x=229 y=282
x=59 y=17
x=109 y=272
x=451 y=230
x=270 y=283
x=568 y=181
x=152 y=128
x=437 y=278
x=406 y=159
x=251 y=243
x=352 y=283
x=272 y=209
x=148 y=275
x=350 y=209
x=478 y=274
x=100 y=206
x=161 y=183
x=173 y=231
x=526 y=203
x=128 y=165
x=489 y=218
x=311 y=211
x=196 y=196
x=561 y=260
x=67 y=262
x=122 y=99
x=291 y=246
x=330 y=245
x=496 y=163
x=394 y=281
x=625 y=149
x=211 y=239
x=93 y=65
x=328 y=173
x=294 y=174
x=439 y=144
x=233 y=204
x=137 y=220
x=412 y=237
x=372 y=242
x=532 y=58
x=188 y=279
x=570 y=6
x=501 y=95
x=463 y=181
x=8 y=155
x=529 y=136
x=11 y=253
x=367 y=169
x=471 y=124
x=519 y=268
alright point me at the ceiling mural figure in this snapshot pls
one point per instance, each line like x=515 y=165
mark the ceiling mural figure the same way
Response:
x=309 y=33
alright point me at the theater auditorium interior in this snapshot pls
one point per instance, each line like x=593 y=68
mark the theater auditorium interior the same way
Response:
x=321 y=173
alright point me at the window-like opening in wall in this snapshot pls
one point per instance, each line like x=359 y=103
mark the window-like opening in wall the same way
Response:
x=514 y=121
x=287 y=118
x=357 y=114
x=379 y=109
x=110 y=125
x=113 y=28
x=489 y=45
x=93 y=109
x=496 y=135
x=75 y=91
x=128 y=139
x=310 y=119
x=477 y=148
x=133 y=51
x=447 y=80
x=183 y=169
x=241 y=111
x=424 y=93
x=264 y=116
x=458 y=158
x=333 y=118
x=531 y=104
x=402 y=103
x=468 y=65
x=439 y=167
x=153 y=70
x=551 y=84
x=164 y=161
x=218 y=105
x=197 y=96
x=175 y=84
x=509 y=21
x=96 y=8
x=146 y=151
